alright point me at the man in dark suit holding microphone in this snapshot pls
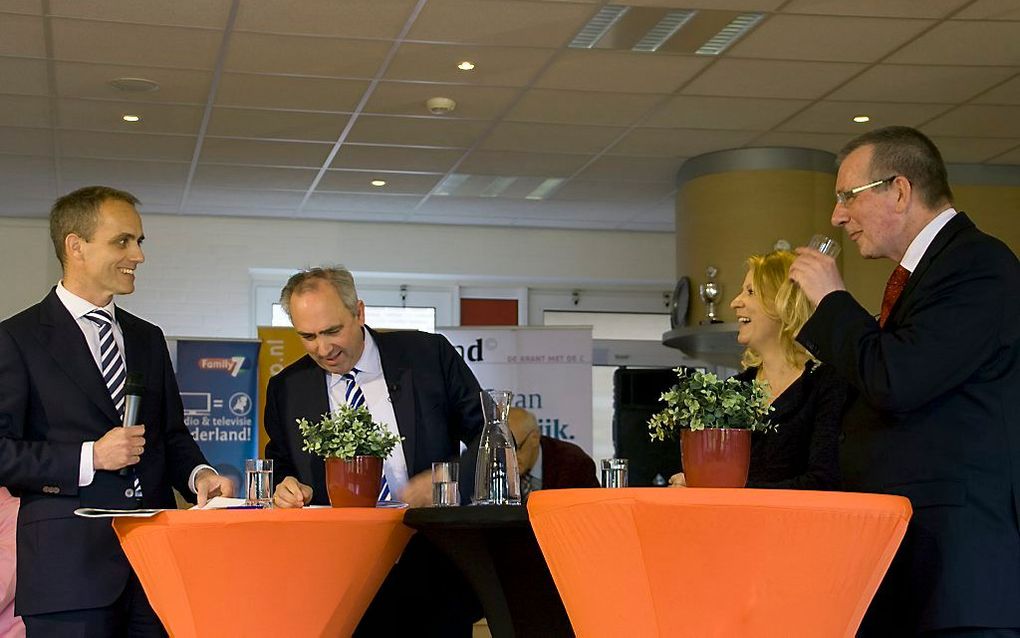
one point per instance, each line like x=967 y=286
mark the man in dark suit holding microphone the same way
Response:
x=64 y=366
x=937 y=379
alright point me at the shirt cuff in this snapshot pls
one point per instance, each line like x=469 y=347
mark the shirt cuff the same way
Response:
x=194 y=473
x=86 y=471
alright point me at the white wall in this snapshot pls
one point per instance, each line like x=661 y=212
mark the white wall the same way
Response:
x=197 y=278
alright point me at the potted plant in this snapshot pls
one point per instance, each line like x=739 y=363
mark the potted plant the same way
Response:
x=353 y=447
x=715 y=418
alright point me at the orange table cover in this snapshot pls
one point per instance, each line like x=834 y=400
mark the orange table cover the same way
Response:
x=716 y=562
x=309 y=572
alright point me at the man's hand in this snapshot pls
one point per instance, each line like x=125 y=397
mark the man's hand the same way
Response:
x=418 y=491
x=678 y=480
x=291 y=493
x=118 y=448
x=816 y=274
x=209 y=484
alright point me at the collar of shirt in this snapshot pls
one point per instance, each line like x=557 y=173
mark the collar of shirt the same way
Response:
x=79 y=307
x=919 y=246
x=369 y=365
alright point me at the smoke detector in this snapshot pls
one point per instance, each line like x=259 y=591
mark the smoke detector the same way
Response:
x=440 y=105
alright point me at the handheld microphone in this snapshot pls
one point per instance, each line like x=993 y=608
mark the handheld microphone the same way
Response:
x=134 y=388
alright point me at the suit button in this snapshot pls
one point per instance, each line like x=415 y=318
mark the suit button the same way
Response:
x=51 y=489
x=130 y=493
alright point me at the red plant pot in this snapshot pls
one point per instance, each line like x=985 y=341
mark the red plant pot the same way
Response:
x=354 y=482
x=715 y=457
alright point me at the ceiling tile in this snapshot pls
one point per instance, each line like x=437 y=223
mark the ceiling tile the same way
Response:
x=264 y=153
x=582 y=107
x=200 y=198
x=100 y=171
x=24 y=76
x=338 y=202
x=213 y=175
x=359 y=182
x=875 y=8
x=22 y=35
x=408 y=98
x=963 y=42
x=75 y=79
x=771 y=78
x=679 y=142
x=38 y=207
x=126 y=145
x=719 y=5
x=752 y=114
x=85 y=41
x=793 y=37
x=373 y=216
x=188 y=13
x=26 y=141
x=972 y=150
x=107 y=116
x=991 y=10
x=24 y=110
x=899 y=83
x=33 y=7
x=835 y=117
x=153 y=198
x=21 y=173
x=550 y=138
x=278 y=125
x=1006 y=93
x=314 y=94
x=610 y=191
x=508 y=163
x=417 y=131
x=977 y=120
x=347 y=19
x=494 y=66
x=831 y=142
x=638 y=169
x=1012 y=157
x=265 y=53
x=500 y=22
x=396 y=159
x=619 y=71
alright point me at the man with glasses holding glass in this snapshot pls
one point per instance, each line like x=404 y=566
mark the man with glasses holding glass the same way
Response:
x=937 y=380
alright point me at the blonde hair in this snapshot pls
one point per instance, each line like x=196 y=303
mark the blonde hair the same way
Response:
x=781 y=300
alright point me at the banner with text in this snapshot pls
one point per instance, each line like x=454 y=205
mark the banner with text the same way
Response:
x=281 y=346
x=548 y=369
x=218 y=381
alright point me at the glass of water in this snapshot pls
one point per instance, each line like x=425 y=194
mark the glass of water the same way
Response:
x=445 y=489
x=614 y=472
x=825 y=245
x=258 y=475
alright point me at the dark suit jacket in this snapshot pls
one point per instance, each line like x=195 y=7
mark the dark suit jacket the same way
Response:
x=935 y=419
x=435 y=401
x=52 y=399
x=564 y=465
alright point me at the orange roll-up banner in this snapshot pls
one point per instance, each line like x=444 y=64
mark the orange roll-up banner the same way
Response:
x=281 y=346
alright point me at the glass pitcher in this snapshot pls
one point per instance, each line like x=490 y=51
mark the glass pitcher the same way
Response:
x=497 y=481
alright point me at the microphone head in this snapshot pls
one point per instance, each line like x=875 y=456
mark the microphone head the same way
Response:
x=134 y=384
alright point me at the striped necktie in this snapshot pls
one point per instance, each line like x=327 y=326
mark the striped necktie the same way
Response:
x=356 y=398
x=111 y=366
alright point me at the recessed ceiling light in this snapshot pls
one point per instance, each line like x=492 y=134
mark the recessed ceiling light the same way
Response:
x=861 y=119
x=598 y=26
x=378 y=182
x=466 y=65
x=131 y=118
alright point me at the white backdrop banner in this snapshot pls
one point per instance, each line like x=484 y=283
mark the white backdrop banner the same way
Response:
x=548 y=369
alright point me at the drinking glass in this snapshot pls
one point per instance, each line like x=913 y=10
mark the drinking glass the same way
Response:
x=445 y=490
x=259 y=481
x=824 y=245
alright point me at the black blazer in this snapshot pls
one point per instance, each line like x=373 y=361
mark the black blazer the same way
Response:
x=52 y=399
x=935 y=418
x=435 y=401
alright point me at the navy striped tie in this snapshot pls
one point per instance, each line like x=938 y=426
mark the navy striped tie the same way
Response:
x=111 y=366
x=356 y=398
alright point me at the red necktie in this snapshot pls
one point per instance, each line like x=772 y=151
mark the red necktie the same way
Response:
x=893 y=289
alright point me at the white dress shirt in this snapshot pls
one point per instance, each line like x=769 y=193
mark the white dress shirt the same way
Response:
x=377 y=399
x=78 y=308
x=919 y=246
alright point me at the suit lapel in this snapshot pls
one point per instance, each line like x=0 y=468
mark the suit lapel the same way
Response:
x=66 y=344
x=400 y=385
x=944 y=237
x=313 y=399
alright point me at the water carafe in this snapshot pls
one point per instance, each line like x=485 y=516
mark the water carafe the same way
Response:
x=496 y=479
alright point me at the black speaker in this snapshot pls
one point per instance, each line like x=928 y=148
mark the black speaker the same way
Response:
x=636 y=393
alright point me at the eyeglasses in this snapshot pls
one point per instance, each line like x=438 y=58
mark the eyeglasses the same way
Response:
x=844 y=197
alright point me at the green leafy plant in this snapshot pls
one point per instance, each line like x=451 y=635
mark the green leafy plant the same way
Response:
x=702 y=400
x=346 y=433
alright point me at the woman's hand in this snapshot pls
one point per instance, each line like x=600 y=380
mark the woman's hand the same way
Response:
x=678 y=480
